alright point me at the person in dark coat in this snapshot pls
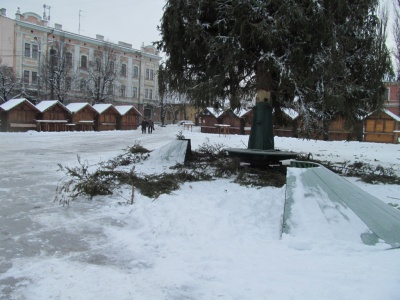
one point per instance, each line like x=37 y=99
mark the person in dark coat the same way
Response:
x=144 y=125
x=151 y=126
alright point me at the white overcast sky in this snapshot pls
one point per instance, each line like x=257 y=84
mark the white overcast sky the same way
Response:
x=130 y=21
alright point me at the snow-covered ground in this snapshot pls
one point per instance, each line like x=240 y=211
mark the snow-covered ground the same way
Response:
x=208 y=240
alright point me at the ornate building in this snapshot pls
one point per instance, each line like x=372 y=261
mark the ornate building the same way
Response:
x=81 y=68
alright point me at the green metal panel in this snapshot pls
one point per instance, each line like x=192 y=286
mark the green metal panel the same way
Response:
x=262 y=134
x=382 y=219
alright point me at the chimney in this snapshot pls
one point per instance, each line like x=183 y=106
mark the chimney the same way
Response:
x=57 y=26
x=123 y=44
x=99 y=37
x=3 y=12
x=18 y=15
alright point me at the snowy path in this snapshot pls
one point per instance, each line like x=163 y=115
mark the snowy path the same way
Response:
x=210 y=240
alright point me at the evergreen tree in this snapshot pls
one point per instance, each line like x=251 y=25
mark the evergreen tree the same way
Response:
x=322 y=56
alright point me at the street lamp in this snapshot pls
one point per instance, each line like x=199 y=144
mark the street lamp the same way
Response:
x=40 y=44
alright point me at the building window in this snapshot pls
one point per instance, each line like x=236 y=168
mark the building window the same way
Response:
x=27 y=50
x=68 y=82
x=68 y=59
x=53 y=56
x=151 y=74
x=26 y=76
x=34 y=77
x=123 y=89
x=134 y=92
x=147 y=74
x=135 y=71
x=123 y=70
x=110 y=89
x=98 y=64
x=84 y=62
x=83 y=85
x=35 y=51
x=111 y=67
x=150 y=94
x=146 y=94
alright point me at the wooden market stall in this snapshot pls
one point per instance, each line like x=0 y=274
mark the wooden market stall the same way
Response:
x=52 y=116
x=18 y=115
x=128 y=118
x=339 y=132
x=208 y=118
x=382 y=127
x=286 y=122
x=82 y=116
x=246 y=116
x=239 y=121
x=106 y=118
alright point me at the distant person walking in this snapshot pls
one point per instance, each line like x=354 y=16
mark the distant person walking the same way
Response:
x=144 y=125
x=151 y=126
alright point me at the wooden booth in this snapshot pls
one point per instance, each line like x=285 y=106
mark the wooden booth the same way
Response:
x=247 y=117
x=106 y=118
x=286 y=122
x=208 y=118
x=339 y=132
x=128 y=117
x=382 y=127
x=237 y=121
x=18 y=115
x=53 y=116
x=82 y=116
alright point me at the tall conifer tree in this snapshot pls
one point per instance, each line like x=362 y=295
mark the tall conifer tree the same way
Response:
x=323 y=56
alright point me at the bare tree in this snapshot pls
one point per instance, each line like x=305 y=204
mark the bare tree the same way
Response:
x=102 y=75
x=9 y=83
x=57 y=73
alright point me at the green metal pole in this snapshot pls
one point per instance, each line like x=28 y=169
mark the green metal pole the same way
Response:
x=262 y=132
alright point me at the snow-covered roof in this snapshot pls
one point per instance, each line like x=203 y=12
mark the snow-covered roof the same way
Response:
x=75 y=107
x=216 y=113
x=291 y=113
x=123 y=109
x=100 y=108
x=241 y=112
x=46 y=104
x=389 y=113
x=10 y=104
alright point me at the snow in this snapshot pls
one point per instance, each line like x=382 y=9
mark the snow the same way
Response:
x=392 y=115
x=216 y=113
x=100 y=108
x=46 y=104
x=291 y=113
x=123 y=109
x=10 y=104
x=75 y=107
x=207 y=240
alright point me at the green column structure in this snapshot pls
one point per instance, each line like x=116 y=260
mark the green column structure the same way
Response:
x=260 y=149
x=262 y=132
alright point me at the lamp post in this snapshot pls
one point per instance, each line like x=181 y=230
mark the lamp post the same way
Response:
x=40 y=44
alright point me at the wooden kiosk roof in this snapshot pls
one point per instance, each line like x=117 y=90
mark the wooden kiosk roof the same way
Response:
x=78 y=106
x=124 y=109
x=12 y=103
x=45 y=105
x=102 y=108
